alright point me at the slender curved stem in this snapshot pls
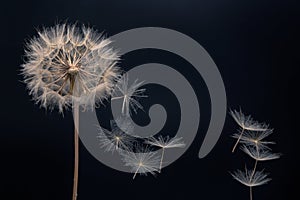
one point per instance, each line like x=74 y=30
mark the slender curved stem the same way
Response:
x=238 y=140
x=114 y=98
x=136 y=172
x=253 y=172
x=256 y=161
x=161 y=159
x=76 y=151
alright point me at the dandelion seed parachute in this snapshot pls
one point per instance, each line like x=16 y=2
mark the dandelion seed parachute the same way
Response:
x=251 y=178
x=130 y=95
x=116 y=139
x=67 y=63
x=247 y=122
x=166 y=142
x=254 y=138
x=260 y=154
x=143 y=162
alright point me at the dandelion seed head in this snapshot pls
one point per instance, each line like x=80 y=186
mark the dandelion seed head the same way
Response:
x=66 y=63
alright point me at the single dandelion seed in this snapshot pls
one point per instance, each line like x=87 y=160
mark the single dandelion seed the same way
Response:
x=246 y=178
x=115 y=140
x=130 y=95
x=260 y=154
x=66 y=66
x=251 y=178
x=255 y=138
x=143 y=162
x=165 y=143
x=246 y=123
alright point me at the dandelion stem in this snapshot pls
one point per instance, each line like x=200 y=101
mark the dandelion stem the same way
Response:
x=123 y=105
x=115 y=98
x=254 y=169
x=238 y=140
x=76 y=151
x=117 y=144
x=136 y=172
x=161 y=159
x=253 y=172
x=255 y=165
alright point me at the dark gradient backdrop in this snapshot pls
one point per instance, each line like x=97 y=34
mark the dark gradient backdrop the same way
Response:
x=255 y=45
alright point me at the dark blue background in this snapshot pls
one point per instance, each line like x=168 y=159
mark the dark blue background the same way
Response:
x=255 y=45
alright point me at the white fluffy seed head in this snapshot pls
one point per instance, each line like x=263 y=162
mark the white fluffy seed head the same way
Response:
x=68 y=63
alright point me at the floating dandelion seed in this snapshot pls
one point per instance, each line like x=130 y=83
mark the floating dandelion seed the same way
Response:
x=116 y=139
x=255 y=138
x=129 y=94
x=260 y=154
x=251 y=178
x=246 y=123
x=143 y=162
x=70 y=66
x=165 y=143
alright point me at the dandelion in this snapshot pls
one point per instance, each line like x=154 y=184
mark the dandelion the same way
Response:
x=251 y=178
x=66 y=63
x=116 y=139
x=143 y=162
x=165 y=143
x=70 y=66
x=254 y=138
x=129 y=94
x=246 y=123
